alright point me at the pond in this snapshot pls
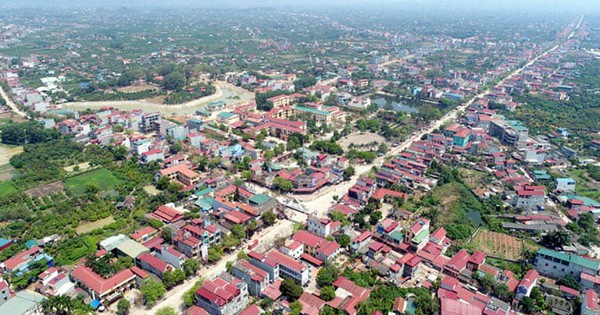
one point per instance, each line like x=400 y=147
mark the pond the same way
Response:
x=475 y=218
x=382 y=102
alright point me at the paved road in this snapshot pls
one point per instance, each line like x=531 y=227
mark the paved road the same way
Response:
x=12 y=105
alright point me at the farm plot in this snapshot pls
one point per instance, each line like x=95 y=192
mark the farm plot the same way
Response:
x=90 y=226
x=498 y=245
x=102 y=178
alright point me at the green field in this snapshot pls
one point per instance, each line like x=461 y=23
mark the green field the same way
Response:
x=102 y=178
x=6 y=187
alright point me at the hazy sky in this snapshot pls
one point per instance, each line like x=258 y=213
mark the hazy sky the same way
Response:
x=528 y=5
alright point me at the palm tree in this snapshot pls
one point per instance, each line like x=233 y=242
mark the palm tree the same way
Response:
x=58 y=305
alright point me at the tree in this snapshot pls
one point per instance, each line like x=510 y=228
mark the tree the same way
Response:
x=238 y=231
x=163 y=183
x=166 y=311
x=167 y=233
x=502 y=291
x=189 y=296
x=268 y=218
x=570 y=282
x=375 y=217
x=214 y=254
x=327 y=275
x=174 y=81
x=291 y=289
x=27 y=133
x=295 y=308
x=152 y=290
x=327 y=293
x=172 y=278
x=58 y=305
x=190 y=267
x=349 y=172
x=283 y=184
x=123 y=306
x=556 y=239
x=487 y=282
x=176 y=147
x=343 y=240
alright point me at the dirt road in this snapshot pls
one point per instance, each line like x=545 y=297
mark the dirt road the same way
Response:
x=224 y=91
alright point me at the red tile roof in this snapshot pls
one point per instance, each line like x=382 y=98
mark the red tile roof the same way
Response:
x=458 y=261
x=218 y=291
x=21 y=257
x=307 y=238
x=98 y=284
x=455 y=307
x=529 y=278
x=153 y=262
x=286 y=261
x=167 y=214
x=591 y=300
x=196 y=310
x=251 y=310
x=139 y=234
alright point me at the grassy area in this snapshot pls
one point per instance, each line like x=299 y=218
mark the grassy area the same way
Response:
x=102 y=178
x=90 y=226
x=6 y=188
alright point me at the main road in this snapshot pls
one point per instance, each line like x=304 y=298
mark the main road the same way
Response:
x=321 y=204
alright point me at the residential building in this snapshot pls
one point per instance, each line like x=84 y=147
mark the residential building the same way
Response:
x=589 y=305
x=527 y=283
x=152 y=264
x=4 y=291
x=559 y=264
x=529 y=197
x=22 y=260
x=223 y=295
x=24 y=303
x=256 y=278
x=103 y=289
x=511 y=133
x=171 y=256
x=322 y=227
x=564 y=185
x=266 y=264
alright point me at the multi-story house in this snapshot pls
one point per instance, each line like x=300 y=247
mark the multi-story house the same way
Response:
x=171 y=256
x=152 y=264
x=558 y=264
x=529 y=197
x=223 y=295
x=322 y=227
x=256 y=278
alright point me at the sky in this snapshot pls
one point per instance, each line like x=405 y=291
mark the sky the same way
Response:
x=525 y=5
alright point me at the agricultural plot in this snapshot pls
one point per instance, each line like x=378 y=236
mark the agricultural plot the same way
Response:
x=6 y=188
x=90 y=226
x=499 y=244
x=101 y=178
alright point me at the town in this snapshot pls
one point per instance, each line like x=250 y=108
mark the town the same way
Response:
x=322 y=162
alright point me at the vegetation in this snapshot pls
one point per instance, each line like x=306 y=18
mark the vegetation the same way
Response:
x=166 y=311
x=291 y=289
x=27 y=133
x=327 y=275
x=123 y=307
x=152 y=291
